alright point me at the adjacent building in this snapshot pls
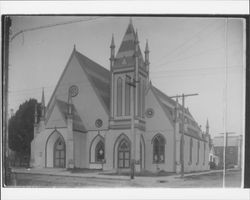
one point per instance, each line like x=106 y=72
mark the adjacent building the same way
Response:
x=233 y=150
x=107 y=119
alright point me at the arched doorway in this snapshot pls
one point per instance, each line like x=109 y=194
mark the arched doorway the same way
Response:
x=55 y=143
x=124 y=154
x=59 y=153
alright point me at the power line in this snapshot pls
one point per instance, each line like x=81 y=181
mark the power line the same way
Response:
x=195 y=36
x=51 y=25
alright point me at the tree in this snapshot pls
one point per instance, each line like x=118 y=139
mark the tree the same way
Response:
x=21 y=127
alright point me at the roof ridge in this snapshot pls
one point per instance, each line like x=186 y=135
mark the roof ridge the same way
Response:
x=85 y=57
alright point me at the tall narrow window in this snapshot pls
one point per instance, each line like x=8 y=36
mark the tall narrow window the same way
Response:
x=127 y=97
x=204 y=156
x=139 y=97
x=119 y=97
x=99 y=152
x=190 y=151
x=158 y=149
x=198 y=151
x=143 y=98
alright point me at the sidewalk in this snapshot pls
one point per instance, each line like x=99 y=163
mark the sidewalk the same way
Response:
x=97 y=175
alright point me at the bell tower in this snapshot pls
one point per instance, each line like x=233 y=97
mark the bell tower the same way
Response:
x=129 y=76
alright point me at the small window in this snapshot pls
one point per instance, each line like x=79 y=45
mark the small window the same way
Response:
x=159 y=149
x=99 y=152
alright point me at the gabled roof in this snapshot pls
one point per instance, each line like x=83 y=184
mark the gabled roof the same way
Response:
x=98 y=76
x=126 y=52
x=77 y=122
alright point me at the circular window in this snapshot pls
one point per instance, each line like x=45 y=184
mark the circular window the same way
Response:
x=73 y=90
x=98 y=123
x=149 y=112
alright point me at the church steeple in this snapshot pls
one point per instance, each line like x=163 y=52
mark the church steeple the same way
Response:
x=207 y=127
x=129 y=46
x=127 y=66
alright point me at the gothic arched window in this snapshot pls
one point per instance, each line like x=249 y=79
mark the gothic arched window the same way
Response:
x=143 y=98
x=204 y=156
x=119 y=97
x=99 y=152
x=198 y=152
x=127 y=97
x=59 y=153
x=190 y=151
x=139 y=97
x=158 y=149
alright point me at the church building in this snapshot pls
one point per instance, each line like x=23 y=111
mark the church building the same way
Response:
x=108 y=119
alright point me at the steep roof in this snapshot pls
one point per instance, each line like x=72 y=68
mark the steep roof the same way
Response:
x=98 y=76
x=168 y=105
x=126 y=52
x=77 y=122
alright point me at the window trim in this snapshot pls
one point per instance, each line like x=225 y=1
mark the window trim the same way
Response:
x=128 y=151
x=100 y=143
x=162 y=144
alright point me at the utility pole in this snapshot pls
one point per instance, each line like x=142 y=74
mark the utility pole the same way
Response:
x=132 y=165
x=6 y=164
x=182 y=129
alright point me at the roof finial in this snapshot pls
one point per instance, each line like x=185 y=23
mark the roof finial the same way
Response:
x=130 y=21
x=112 y=41
x=146 y=48
x=136 y=36
x=74 y=47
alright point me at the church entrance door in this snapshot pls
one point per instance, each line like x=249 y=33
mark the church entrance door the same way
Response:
x=59 y=153
x=124 y=154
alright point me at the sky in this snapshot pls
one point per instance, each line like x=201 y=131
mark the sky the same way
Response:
x=187 y=55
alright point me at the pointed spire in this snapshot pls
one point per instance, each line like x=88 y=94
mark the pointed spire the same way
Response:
x=43 y=105
x=112 y=42
x=207 y=127
x=147 y=56
x=43 y=99
x=112 y=52
x=146 y=48
x=130 y=21
x=74 y=47
x=136 y=37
